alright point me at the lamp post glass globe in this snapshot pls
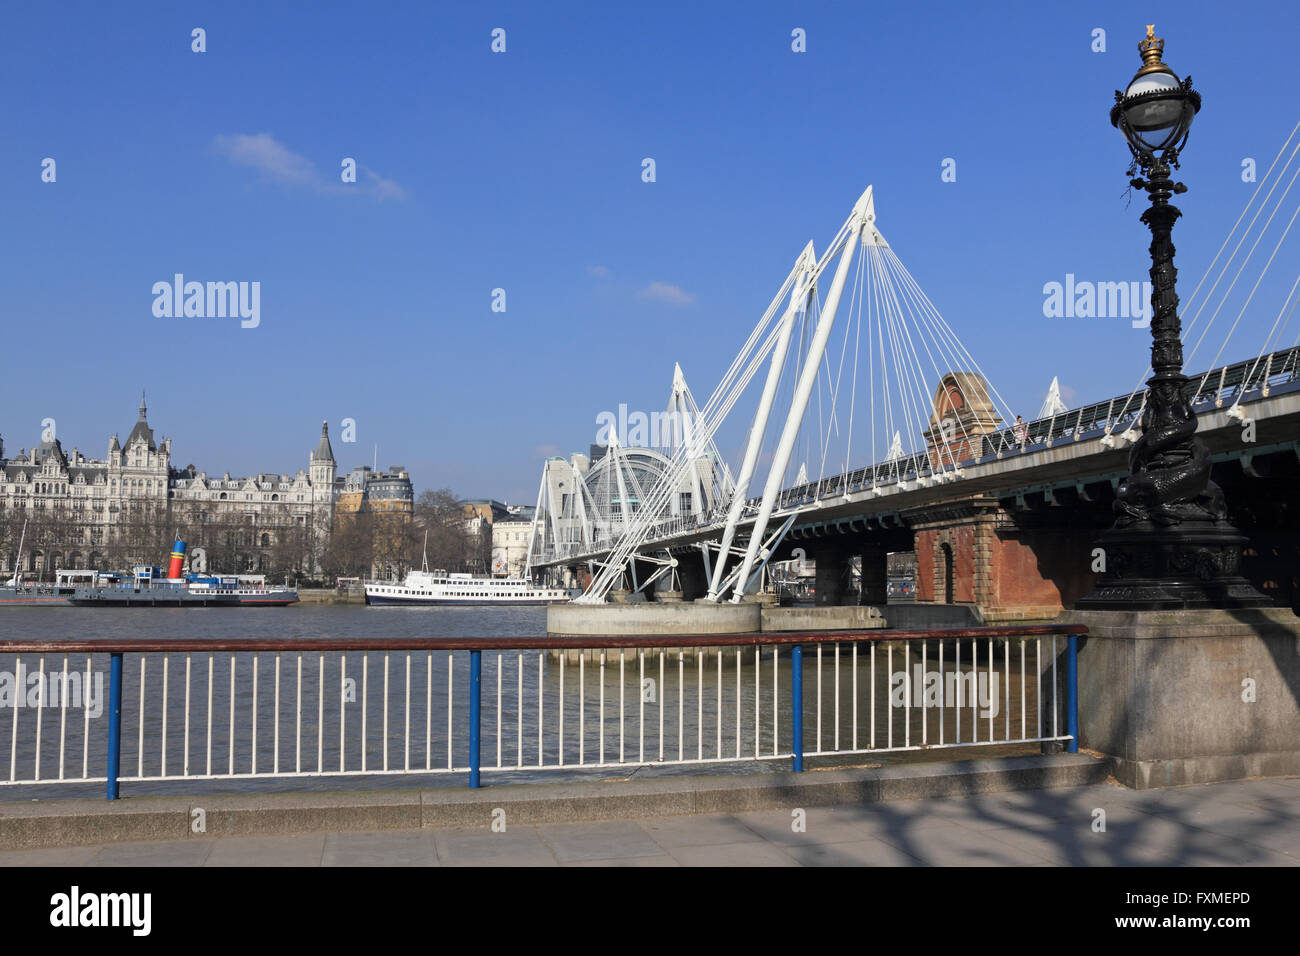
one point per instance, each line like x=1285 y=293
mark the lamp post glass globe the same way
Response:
x=1155 y=111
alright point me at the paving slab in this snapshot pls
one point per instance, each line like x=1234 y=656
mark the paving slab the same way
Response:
x=851 y=853
x=1072 y=843
x=619 y=839
x=660 y=859
x=380 y=848
x=708 y=829
x=304 y=849
x=734 y=854
x=1030 y=809
x=946 y=843
x=1196 y=795
x=1212 y=849
x=52 y=856
x=517 y=846
x=822 y=824
x=1268 y=829
x=155 y=853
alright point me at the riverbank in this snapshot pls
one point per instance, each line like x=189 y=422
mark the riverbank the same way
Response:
x=331 y=596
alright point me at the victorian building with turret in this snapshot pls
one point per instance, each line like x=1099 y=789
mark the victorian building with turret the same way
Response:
x=109 y=513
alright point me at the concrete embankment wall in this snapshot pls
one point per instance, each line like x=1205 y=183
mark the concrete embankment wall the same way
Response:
x=702 y=618
x=331 y=596
x=609 y=620
x=919 y=616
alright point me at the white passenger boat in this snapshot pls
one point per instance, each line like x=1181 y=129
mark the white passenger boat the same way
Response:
x=439 y=587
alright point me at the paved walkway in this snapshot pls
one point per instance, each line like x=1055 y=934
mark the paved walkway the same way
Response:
x=1255 y=822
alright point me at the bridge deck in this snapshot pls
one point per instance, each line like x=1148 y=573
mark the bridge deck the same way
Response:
x=1067 y=448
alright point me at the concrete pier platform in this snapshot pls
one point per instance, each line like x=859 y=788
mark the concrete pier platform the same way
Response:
x=846 y=618
x=331 y=596
x=704 y=617
x=651 y=618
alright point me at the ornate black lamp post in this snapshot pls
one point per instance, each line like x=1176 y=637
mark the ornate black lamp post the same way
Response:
x=1172 y=545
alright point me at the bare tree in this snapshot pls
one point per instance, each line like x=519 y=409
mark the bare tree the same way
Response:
x=290 y=551
x=440 y=514
x=391 y=542
x=351 y=550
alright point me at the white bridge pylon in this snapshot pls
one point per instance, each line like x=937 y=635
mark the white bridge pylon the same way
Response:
x=892 y=370
x=592 y=499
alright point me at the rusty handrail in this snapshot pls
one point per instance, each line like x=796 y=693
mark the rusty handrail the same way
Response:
x=580 y=642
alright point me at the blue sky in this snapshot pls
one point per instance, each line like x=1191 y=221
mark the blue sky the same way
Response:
x=522 y=171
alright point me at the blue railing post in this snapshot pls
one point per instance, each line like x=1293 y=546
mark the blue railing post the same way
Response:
x=796 y=705
x=1072 y=692
x=114 y=723
x=475 y=712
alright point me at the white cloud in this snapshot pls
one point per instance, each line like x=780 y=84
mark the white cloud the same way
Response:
x=276 y=163
x=600 y=272
x=384 y=188
x=269 y=157
x=667 y=292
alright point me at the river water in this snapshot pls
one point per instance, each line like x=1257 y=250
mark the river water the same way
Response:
x=224 y=716
x=303 y=620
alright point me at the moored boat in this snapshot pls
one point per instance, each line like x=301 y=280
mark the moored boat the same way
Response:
x=439 y=587
x=24 y=595
x=148 y=586
x=15 y=592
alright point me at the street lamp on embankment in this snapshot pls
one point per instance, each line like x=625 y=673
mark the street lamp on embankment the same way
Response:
x=1172 y=545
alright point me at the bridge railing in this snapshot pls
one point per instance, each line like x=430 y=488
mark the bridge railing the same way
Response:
x=1220 y=386
x=144 y=712
x=1232 y=382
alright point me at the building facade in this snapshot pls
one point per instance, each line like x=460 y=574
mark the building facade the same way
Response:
x=124 y=509
x=481 y=516
x=511 y=536
x=384 y=502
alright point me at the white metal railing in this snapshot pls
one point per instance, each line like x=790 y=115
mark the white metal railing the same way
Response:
x=267 y=708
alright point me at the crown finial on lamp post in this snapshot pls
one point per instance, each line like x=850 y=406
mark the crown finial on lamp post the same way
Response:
x=1151 y=49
